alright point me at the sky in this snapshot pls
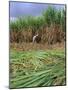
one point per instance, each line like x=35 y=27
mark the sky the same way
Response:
x=18 y=9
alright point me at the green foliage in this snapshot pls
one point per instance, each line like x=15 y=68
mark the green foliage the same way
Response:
x=37 y=68
x=49 y=16
x=58 y=17
x=63 y=20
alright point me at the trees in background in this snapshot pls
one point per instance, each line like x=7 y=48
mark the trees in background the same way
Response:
x=50 y=25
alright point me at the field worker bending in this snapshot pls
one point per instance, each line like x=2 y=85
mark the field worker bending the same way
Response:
x=36 y=38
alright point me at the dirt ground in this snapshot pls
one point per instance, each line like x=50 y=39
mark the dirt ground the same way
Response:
x=36 y=46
